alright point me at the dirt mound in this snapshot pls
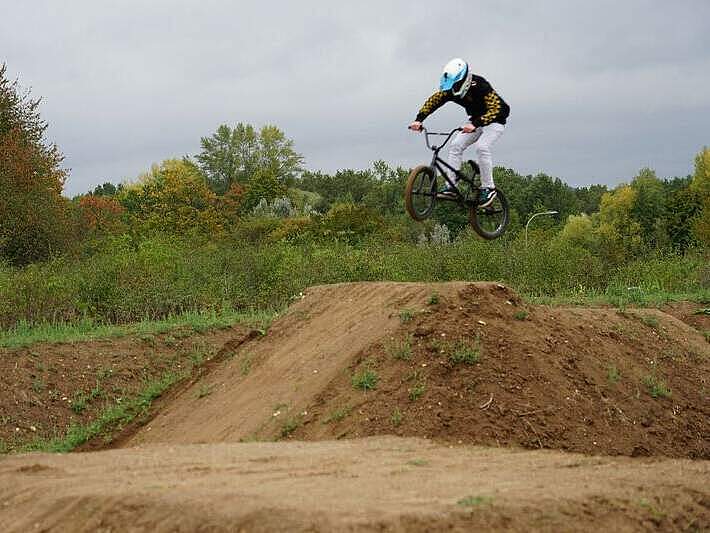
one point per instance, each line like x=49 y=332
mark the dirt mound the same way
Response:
x=381 y=484
x=259 y=391
x=483 y=368
x=457 y=362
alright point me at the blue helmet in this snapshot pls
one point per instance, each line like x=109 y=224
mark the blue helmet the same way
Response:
x=456 y=77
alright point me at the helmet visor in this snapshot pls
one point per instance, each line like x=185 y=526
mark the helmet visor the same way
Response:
x=449 y=80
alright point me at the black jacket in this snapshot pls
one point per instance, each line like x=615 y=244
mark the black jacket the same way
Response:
x=481 y=102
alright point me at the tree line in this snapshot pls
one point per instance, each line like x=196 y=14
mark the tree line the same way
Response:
x=251 y=183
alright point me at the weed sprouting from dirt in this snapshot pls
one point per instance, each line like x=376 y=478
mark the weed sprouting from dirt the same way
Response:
x=199 y=353
x=245 y=364
x=612 y=375
x=434 y=298
x=38 y=385
x=400 y=349
x=474 y=501
x=418 y=462
x=338 y=415
x=656 y=387
x=205 y=390
x=365 y=380
x=650 y=321
x=170 y=341
x=81 y=400
x=104 y=373
x=417 y=391
x=520 y=315
x=396 y=417
x=406 y=315
x=291 y=425
x=655 y=512
x=462 y=352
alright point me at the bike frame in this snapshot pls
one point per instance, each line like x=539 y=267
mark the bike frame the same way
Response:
x=438 y=164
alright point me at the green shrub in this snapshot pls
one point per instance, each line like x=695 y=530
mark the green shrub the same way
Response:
x=365 y=380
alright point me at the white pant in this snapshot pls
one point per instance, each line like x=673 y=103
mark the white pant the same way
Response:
x=483 y=137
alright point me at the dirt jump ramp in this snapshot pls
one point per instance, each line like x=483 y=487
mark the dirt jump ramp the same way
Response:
x=269 y=379
x=466 y=363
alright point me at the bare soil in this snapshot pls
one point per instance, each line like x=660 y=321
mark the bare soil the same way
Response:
x=451 y=367
x=46 y=388
x=380 y=484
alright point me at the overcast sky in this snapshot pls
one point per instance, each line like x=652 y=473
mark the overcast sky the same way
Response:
x=597 y=89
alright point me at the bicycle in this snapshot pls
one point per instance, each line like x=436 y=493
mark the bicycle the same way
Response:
x=421 y=193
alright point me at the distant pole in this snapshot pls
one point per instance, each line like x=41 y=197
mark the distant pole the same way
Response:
x=530 y=219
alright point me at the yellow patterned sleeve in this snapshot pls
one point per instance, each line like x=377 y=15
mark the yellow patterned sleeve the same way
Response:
x=434 y=102
x=492 y=101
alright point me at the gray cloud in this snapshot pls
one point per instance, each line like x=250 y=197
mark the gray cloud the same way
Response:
x=597 y=90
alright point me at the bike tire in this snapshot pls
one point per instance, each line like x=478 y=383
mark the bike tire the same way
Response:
x=485 y=221
x=420 y=192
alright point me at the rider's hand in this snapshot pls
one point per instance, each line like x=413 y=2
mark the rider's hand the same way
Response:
x=416 y=126
x=468 y=128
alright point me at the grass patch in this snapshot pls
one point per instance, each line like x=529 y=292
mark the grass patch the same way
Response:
x=338 y=415
x=38 y=385
x=520 y=315
x=401 y=349
x=199 y=353
x=291 y=425
x=205 y=390
x=474 y=501
x=245 y=364
x=406 y=315
x=417 y=391
x=108 y=421
x=82 y=400
x=612 y=375
x=25 y=333
x=462 y=352
x=650 y=321
x=365 y=380
x=656 y=387
x=396 y=417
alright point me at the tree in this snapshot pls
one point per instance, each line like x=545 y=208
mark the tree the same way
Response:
x=173 y=198
x=649 y=205
x=263 y=185
x=233 y=155
x=701 y=187
x=34 y=220
x=99 y=215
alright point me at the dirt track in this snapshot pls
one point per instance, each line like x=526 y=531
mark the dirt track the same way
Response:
x=543 y=382
x=384 y=484
x=541 y=379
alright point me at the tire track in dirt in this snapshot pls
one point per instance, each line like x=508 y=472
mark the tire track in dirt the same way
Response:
x=382 y=484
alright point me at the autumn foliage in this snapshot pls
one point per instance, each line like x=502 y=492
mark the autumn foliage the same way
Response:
x=173 y=197
x=100 y=215
x=34 y=221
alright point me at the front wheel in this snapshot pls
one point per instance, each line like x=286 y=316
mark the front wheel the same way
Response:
x=490 y=222
x=420 y=192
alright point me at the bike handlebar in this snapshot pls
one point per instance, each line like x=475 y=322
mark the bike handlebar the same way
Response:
x=447 y=135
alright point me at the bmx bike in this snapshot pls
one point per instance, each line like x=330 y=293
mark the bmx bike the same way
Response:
x=421 y=193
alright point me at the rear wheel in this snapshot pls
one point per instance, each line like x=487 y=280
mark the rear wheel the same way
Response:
x=490 y=222
x=420 y=192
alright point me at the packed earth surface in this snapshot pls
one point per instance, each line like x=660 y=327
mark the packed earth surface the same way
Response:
x=376 y=406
